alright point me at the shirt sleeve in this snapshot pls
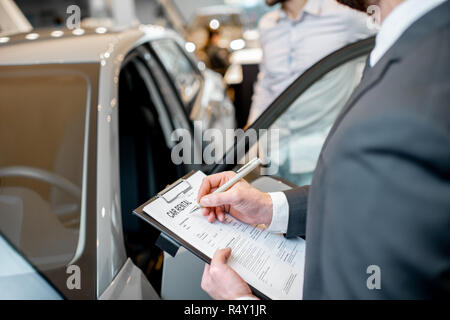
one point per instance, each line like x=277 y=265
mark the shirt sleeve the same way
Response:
x=361 y=28
x=280 y=216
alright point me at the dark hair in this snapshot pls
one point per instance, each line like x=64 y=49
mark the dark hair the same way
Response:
x=360 y=5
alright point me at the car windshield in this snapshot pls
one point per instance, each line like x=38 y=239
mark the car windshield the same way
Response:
x=42 y=132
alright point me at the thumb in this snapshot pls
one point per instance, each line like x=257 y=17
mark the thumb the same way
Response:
x=218 y=199
x=221 y=256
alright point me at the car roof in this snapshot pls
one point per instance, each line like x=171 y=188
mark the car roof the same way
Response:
x=47 y=46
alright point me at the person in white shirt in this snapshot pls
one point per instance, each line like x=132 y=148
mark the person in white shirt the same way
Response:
x=295 y=37
x=379 y=197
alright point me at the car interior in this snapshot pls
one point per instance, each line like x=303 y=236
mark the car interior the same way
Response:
x=46 y=175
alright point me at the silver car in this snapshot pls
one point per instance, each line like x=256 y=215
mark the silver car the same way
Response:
x=86 y=118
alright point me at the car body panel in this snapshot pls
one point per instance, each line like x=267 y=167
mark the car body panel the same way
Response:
x=130 y=283
x=110 y=243
x=70 y=48
x=176 y=285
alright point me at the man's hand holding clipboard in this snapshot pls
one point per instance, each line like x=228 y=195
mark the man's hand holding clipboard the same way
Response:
x=245 y=259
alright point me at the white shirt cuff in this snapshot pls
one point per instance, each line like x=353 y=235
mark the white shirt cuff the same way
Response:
x=280 y=216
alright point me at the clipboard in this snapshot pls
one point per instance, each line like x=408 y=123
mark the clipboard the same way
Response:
x=170 y=241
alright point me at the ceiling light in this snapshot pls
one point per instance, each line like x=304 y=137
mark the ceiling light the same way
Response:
x=57 y=33
x=190 y=46
x=101 y=30
x=78 y=32
x=32 y=36
x=237 y=44
x=214 y=24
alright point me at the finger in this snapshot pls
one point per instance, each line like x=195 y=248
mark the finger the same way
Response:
x=219 y=214
x=212 y=216
x=213 y=182
x=205 y=211
x=221 y=256
x=219 y=199
x=209 y=182
x=205 y=188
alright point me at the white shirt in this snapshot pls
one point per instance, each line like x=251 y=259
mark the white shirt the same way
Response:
x=395 y=24
x=291 y=47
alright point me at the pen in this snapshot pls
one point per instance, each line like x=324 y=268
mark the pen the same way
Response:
x=242 y=172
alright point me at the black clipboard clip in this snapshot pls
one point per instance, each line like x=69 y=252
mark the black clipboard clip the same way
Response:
x=167 y=244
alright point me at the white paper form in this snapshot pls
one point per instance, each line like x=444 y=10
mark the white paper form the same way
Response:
x=269 y=262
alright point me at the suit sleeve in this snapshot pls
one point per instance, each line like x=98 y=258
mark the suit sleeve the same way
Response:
x=298 y=201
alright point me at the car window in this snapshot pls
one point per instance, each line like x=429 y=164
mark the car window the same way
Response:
x=42 y=134
x=19 y=280
x=166 y=90
x=186 y=79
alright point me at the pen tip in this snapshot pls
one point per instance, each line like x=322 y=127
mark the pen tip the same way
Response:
x=194 y=209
